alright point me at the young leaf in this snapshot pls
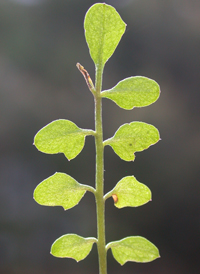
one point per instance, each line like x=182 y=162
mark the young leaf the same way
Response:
x=135 y=249
x=72 y=246
x=61 y=136
x=133 y=92
x=103 y=31
x=133 y=137
x=59 y=189
x=130 y=192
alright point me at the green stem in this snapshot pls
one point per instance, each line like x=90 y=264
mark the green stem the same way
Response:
x=100 y=203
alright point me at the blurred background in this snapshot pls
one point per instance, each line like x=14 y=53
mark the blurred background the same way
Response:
x=40 y=43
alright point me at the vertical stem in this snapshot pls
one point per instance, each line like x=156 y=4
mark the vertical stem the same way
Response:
x=100 y=204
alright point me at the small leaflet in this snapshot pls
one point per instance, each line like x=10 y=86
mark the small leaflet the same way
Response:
x=72 y=246
x=103 y=31
x=131 y=138
x=133 y=92
x=61 y=136
x=130 y=192
x=59 y=189
x=135 y=249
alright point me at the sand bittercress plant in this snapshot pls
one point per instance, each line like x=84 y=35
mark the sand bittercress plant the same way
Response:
x=103 y=31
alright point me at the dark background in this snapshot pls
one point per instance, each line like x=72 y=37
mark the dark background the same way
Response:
x=40 y=43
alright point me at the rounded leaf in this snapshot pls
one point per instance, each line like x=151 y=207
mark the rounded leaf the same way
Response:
x=61 y=136
x=103 y=31
x=133 y=92
x=133 y=137
x=130 y=192
x=72 y=246
x=135 y=249
x=59 y=189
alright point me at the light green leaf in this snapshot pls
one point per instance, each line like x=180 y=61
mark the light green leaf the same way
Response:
x=130 y=192
x=103 y=31
x=61 y=136
x=72 y=246
x=133 y=92
x=135 y=249
x=133 y=137
x=59 y=189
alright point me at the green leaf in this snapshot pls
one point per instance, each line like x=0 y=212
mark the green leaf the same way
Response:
x=72 y=246
x=133 y=137
x=61 y=136
x=133 y=92
x=130 y=192
x=135 y=249
x=103 y=31
x=59 y=189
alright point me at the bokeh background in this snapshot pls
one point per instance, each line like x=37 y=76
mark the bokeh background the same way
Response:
x=40 y=43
